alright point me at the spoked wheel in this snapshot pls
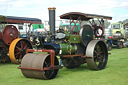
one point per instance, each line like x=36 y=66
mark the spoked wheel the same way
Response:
x=18 y=49
x=38 y=61
x=97 y=55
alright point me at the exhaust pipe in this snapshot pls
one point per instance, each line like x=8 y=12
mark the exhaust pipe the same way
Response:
x=52 y=20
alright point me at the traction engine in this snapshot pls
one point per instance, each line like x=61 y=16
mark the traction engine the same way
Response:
x=74 y=47
x=13 y=48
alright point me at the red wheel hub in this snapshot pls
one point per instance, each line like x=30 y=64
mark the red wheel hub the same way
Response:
x=10 y=33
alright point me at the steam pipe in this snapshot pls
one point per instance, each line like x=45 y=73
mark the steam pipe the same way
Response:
x=52 y=20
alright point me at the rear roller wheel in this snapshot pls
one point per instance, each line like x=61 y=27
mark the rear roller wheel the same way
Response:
x=38 y=61
x=18 y=49
x=97 y=55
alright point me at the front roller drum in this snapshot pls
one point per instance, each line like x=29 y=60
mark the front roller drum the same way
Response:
x=38 y=61
x=97 y=55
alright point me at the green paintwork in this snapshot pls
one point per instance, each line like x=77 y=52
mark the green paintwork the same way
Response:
x=67 y=49
x=67 y=35
x=74 y=39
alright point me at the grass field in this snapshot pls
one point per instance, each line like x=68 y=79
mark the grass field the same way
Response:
x=115 y=73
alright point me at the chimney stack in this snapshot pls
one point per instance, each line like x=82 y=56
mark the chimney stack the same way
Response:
x=52 y=20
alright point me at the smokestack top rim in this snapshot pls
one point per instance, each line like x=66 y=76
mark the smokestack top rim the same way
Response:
x=51 y=8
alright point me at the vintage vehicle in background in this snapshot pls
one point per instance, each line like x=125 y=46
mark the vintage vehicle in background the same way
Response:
x=126 y=29
x=118 y=37
x=12 y=47
x=74 y=47
x=108 y=36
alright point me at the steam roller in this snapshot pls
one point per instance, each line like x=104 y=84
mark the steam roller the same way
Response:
x=7 y=35
x=74 y=46
x=17 y=46
x=10 y=43
x=11 y=46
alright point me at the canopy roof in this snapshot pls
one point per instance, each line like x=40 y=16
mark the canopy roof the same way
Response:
x=16 y=20
x=83 y=16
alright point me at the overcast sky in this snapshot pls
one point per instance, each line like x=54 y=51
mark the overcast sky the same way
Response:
x=118 y=9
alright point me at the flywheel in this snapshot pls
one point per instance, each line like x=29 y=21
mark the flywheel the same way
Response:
x=18 y=49
x=97 y=55
x=86 y=34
